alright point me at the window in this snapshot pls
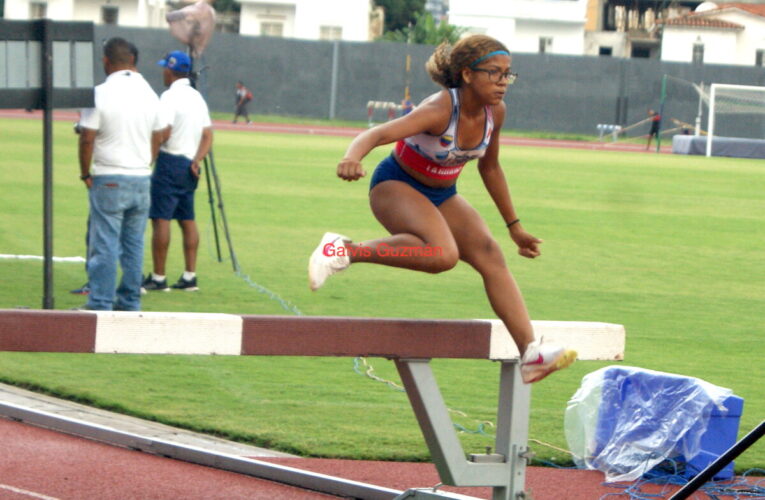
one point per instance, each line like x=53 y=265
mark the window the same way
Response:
x=110 y=14
x=605 y=51
x=698 y=52
x=545 y=44
x=331 y=33
x=38 y=10
x=759 y=58
x=272 y=29
x=644 y=52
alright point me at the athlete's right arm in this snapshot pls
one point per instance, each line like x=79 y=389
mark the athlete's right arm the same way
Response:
x=430 y=116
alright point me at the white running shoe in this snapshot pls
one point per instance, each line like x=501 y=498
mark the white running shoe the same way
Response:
x=330 y=257
x=540 y=360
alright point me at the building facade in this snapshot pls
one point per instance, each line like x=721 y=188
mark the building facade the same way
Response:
x=536 y=26
x=349 y=20
x=134 y=13
x=731 y=33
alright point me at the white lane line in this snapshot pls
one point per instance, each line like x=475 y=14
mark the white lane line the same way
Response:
x=25 y=492
x=40 y=257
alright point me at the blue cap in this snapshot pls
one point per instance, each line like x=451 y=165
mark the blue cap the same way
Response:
x=176 y=61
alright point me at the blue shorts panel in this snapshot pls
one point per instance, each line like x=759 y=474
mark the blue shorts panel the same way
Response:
x=390 y=170
x=172 y=188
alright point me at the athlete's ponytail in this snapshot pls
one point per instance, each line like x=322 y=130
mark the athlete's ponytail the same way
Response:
x=446 y=64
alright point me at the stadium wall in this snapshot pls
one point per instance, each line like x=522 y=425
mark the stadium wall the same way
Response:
x=554 y=93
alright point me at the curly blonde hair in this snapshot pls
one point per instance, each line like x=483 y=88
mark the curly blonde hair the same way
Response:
x=446 y=64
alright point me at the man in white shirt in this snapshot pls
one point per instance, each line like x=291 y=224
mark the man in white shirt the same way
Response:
x=186 y=140
x=118 y=141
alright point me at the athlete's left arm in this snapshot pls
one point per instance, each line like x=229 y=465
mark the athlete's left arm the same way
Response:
x=494 y=179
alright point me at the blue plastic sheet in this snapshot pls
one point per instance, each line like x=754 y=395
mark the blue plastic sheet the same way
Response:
x=624 y=420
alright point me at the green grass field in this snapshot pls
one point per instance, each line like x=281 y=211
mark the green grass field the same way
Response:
x=669 y=246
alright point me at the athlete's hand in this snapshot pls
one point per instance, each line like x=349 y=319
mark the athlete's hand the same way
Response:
x=528 y=245
x=350 y=170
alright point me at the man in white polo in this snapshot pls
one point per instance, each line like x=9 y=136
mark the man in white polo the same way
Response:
x=118 y=141
x=185 y=144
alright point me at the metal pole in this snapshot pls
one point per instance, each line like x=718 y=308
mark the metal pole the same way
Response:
x=333 y=82
x=408 y=78
x=47 y=105
x=723 y=460
x=711 y=118
x=211 y=200
x=700 y=111
x=234 y=261
x=661 y=111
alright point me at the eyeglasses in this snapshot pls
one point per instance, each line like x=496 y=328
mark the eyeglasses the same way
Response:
x=496 y=75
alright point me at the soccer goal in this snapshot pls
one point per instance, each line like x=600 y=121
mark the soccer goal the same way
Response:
x=738 y=100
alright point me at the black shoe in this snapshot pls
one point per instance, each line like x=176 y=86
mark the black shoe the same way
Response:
x=151 y=285
x=187 y=285
x=83 y=290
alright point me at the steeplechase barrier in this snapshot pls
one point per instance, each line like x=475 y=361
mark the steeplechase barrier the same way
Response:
x=409 y=343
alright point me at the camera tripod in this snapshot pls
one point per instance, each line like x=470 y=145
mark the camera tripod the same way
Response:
x=214 y=193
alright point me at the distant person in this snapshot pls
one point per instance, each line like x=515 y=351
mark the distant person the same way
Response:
x=185 y=143
x=655 y=124
x=406 y=107
x=243 y=98
x=413 y=192
x=118 y=141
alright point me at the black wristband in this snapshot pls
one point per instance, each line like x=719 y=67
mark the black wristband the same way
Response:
x=85 y=177
x=513 y=222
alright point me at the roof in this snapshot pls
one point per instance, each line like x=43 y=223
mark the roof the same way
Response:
x=707 y=18
x=701 y=21
x=756 y=9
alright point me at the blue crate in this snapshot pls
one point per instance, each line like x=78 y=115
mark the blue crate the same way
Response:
x=720 y=435
x=627 y=389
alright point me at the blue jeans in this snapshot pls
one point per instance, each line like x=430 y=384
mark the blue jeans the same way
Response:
x=119 y=209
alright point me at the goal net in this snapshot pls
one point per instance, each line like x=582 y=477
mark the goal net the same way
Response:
x=735 y=111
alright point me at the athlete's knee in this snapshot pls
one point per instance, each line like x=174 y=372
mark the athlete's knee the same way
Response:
x=486 y=253
x=443 y=260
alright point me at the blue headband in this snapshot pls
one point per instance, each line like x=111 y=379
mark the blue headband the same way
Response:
x=490 y=54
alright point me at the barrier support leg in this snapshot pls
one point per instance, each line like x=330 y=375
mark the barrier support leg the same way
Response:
x=504 y=470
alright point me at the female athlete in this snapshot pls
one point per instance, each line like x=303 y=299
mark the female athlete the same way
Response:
x=413 y=191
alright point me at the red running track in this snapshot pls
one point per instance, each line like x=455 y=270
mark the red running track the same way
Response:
x=287 y=128
x=41 y=464
x=37 y=463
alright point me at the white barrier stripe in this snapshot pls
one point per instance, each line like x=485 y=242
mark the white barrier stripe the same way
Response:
x=40 y=257
x=27 y=493
x=592 y=340
x=168 y=333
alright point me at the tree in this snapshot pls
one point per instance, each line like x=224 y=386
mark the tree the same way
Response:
x=400 y=13
x=425 y=31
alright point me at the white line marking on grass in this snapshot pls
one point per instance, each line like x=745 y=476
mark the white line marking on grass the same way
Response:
x=40 y=257
x=27 y=493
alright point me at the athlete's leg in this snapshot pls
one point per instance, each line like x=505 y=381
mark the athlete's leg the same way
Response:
x=190 y=243
x=160 y=242
x=414 y=223
x=478 y=248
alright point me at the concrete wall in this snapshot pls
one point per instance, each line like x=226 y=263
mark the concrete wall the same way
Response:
x=553 y=92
